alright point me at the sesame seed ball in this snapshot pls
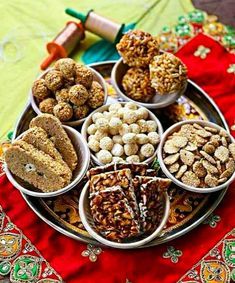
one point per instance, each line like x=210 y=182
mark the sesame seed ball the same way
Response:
x=133 y=158
x=142 y=139
x=106 y=143
x=78 y=95
x=100 y=134
x=147 y=150
x=130 y=117
x=47 y=105
x=96 y=116
x=63 y=111
x=94 y=145
x=142 y=113
x=135 y=128
x=117 y=139
x=92 y=129
x=151 y=125
x=117 y=159
x=131 y=149
x=115 y=123
x=131 y=105
x=67 y=67
x=80 y=112
x=137 y=48
x=143 y=125
x=115 y=107
x=102 y=124
x=124 y=129
x=117 y=150
x=104 y=156
x=83 y=75
x=62 y=95
x=129 y=138
x=96 y=95
x=40 y=90
x=54 y=80
x=154 y=138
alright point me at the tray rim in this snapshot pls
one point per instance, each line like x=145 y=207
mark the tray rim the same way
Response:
x=157 y=241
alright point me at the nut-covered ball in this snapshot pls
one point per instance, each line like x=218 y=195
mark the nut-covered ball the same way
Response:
x=104 y=156
x=117 y=150
x=154 y=138
x=63 y=111
x=94 y=145
x=40 y=90
x=80 y=112
x=62 y=95
x=96 y=95
x=83 y=75
x=137 y=48
x=131 y=149
x=67 y=68
x=54 y=80
x=106 y=143
x=47 y=105
x=133 y=159
x=78 y=95
x=147 y=150
x=137 y=84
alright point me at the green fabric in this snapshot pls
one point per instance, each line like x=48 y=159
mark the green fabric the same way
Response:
x=26 y=27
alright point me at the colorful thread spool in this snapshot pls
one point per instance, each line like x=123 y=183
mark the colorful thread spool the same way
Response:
x=99 y=25
x=64 y=43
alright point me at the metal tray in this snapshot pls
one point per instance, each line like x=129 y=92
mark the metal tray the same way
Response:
x=188 y=209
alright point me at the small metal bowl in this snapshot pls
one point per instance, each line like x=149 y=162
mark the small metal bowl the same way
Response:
x=103 y=108
x=97 y=77
x=83 y=154
x=87 y=220
x=158 y=101
x=175 y=128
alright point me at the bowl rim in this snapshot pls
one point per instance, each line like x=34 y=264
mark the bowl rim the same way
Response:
x=103 y=108
x=171 y=130
x=162 y=104
x=75 y=122
x=131 y=245
x=71 y=185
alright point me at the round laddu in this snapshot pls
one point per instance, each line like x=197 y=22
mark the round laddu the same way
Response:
x=40 y=90
x=63 y=111
x=62 y=95
x=83 y=75
x=78 y=95
x=54 y=80
x=67 y=68
x=47 y=105
x=96 y=95
x=81 y=112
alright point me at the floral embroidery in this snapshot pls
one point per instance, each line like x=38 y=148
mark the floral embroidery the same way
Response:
x=212 y=220
x=92 y=252
x=173 y=254
x=231 y=69
x=202 y=52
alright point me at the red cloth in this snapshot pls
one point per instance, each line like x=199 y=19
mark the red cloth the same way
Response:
x=144 y=265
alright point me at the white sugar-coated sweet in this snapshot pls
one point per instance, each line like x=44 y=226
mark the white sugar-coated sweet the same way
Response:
x=104 y=156
x=133 y=158
x=142 y=113
x=100 y=134
x=115 y=123
x=117 y=150
x=114 y=107
x=120 y=112
x=131 y=105
x=129 y=138
x=91 y=137
x=131 y=149
x=124 y=129
x=117 y=139
x=152 y=126
x=143 y=125
x=147 y=150
x=154 y=138
x=117 y=159
x=135 y=128
x=130 y=116
x=113 y=131
x=142 y=139
x=107 y=115
x=96 y=116
x=92 y=129
x=106 y=143
x=102 y=124
x=94 y=145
